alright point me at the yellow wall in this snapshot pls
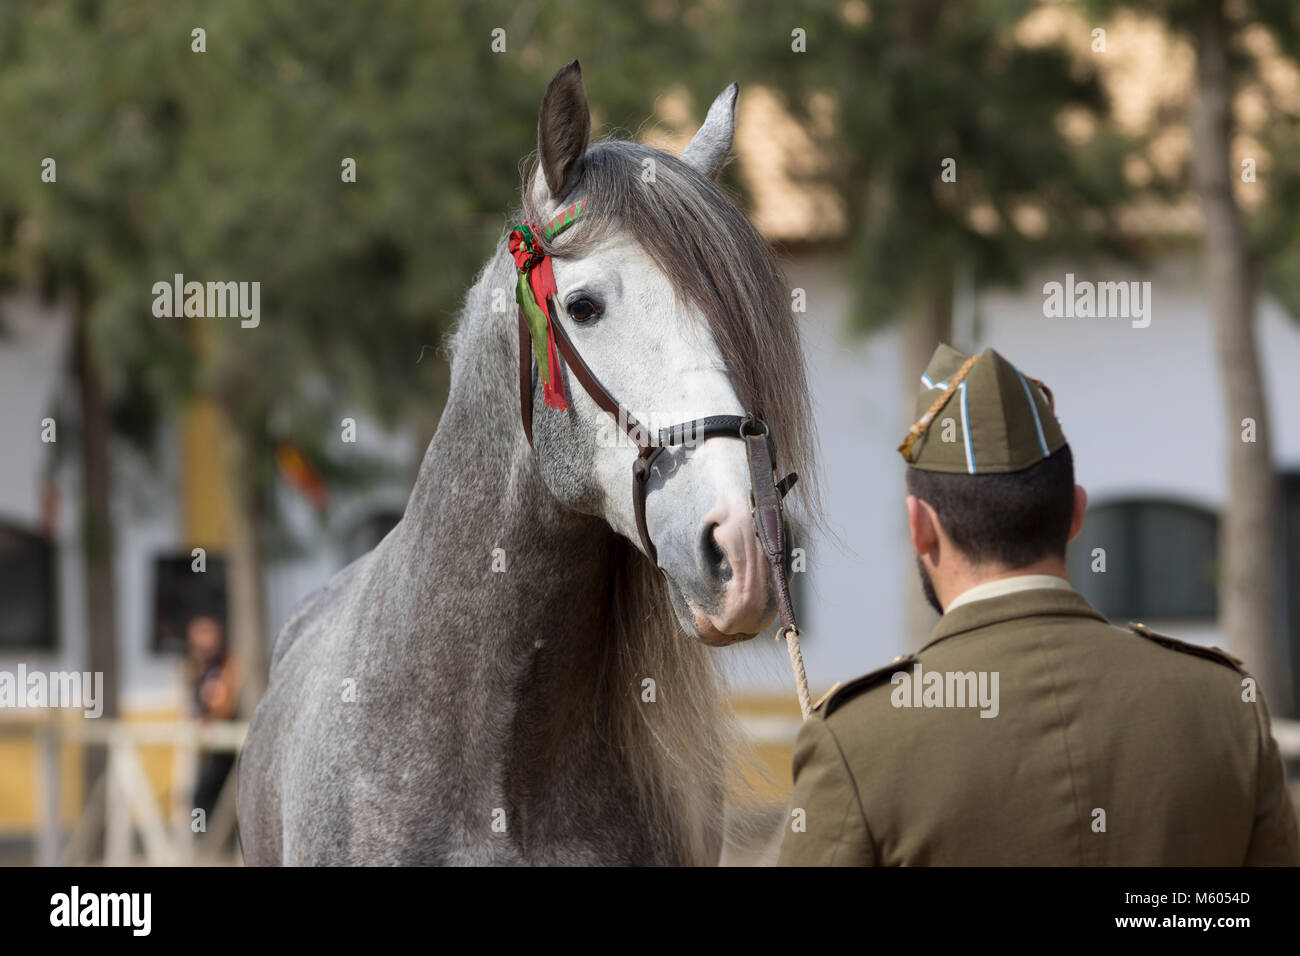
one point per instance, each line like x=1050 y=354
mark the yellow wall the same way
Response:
x=19 y=772
x=769 y=774
x=205 y=497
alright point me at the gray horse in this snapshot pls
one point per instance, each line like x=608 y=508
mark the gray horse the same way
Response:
x=506 y=678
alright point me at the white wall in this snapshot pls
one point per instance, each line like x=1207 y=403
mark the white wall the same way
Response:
x=1143 y=407
x=851 y=611
x=34 y=339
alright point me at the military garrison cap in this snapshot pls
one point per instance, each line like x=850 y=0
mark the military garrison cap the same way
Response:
x=980 y=415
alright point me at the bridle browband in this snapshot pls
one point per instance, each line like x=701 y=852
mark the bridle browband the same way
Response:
x=766 y=491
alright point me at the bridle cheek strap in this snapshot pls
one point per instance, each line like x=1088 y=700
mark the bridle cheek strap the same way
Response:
x=766 y=492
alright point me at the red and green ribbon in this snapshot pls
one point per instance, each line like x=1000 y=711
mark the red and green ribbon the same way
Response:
x=535 y=286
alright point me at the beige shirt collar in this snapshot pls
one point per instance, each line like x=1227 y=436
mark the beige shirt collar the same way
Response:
x=1003 y=586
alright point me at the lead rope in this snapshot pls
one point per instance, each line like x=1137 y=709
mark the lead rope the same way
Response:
x=800 y=675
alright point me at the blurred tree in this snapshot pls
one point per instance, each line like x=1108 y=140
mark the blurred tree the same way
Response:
x=1235 y=264
x=914 y=85
x=953 y=146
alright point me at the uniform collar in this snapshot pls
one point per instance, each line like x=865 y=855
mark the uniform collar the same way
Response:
x=1050 y=601
x=1019 y=582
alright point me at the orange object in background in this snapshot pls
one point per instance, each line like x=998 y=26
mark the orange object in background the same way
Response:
x=298 y=472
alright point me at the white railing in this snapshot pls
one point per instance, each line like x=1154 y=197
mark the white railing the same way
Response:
x=121 y=804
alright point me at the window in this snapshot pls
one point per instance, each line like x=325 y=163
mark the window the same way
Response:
x=26 y=590
x=181 y=594
x=1160 y=560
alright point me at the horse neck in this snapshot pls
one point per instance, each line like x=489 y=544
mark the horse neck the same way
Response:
x=499 y=553
x=545 y=668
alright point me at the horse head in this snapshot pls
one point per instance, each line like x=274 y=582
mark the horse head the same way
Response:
x=675 y=304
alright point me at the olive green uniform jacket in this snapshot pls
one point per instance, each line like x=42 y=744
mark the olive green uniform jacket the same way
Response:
x=1109 y=747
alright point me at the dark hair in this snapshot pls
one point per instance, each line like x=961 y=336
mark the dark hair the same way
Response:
x=1010 y=519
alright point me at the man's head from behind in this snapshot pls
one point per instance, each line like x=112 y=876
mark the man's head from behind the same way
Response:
x=991 y=489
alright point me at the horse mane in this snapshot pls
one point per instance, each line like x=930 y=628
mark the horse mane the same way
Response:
x=686 y=750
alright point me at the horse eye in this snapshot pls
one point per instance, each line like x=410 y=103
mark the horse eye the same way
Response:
x=583 y=309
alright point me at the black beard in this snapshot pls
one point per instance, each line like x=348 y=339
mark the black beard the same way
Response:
x=927 y=586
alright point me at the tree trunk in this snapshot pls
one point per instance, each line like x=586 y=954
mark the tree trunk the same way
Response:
x=922 y=332
x=97 y=532
x=1248 y=546
x=244 y=570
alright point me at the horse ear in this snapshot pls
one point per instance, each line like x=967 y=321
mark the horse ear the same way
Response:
x=709 y=147
x=563 y=128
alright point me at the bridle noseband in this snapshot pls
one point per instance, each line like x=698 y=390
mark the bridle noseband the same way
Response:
x=535 y=292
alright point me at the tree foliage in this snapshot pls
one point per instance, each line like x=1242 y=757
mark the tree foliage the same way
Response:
x=920 y=82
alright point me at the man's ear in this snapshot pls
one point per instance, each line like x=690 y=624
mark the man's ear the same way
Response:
x=922 y=525
x=1080 y=509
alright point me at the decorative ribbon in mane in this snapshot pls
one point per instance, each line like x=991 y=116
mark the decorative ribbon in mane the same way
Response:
x=533 y=290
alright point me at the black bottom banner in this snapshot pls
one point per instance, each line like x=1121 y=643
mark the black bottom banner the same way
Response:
x=217 y=904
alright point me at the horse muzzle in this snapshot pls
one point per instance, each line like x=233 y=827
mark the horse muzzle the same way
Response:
x=733 y=567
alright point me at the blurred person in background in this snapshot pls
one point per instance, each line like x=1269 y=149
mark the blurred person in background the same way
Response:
x=214 y=677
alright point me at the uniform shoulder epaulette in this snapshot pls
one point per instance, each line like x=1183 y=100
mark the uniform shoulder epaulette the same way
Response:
x=842 y=692
x=1209 y=653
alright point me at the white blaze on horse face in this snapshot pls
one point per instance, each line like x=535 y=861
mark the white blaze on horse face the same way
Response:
x=657 y=356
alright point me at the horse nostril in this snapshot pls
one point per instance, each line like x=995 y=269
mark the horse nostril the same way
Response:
x=713 y=560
